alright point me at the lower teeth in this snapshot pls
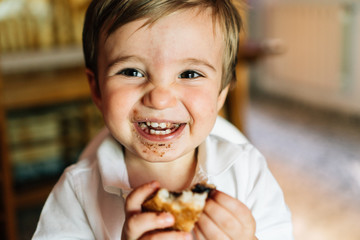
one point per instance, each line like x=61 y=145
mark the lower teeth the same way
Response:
x=160 y=132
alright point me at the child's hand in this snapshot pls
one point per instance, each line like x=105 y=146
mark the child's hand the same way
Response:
x=225 y=218
x=142 y=226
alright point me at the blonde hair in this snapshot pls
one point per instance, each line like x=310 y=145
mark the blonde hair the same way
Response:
x=106 y=16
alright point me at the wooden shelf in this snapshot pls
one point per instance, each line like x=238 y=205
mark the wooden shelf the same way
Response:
x=34 y=195
x=7 y=208
x=44 y=88
x=34 y=80
x=29 y=61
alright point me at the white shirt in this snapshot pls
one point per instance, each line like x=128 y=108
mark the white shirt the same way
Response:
x=88 y=200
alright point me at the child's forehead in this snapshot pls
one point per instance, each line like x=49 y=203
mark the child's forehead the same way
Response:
x=207 y=15
x=182 y=37
x=192 y=26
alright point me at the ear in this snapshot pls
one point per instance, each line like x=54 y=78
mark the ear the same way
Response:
x=222 y=97
x=94 y=88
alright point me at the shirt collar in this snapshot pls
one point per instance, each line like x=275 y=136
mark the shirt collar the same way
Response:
x=215 y=155
x=112 y=166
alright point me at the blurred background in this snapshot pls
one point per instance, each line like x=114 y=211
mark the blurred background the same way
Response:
x=297 y=99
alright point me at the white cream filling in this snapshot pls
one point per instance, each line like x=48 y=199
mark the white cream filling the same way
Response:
x=197 y=200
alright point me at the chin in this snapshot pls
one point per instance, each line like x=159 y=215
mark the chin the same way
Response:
x=158 y=157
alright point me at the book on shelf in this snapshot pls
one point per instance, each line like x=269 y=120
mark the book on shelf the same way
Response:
x=40 y=24
x=44 y=141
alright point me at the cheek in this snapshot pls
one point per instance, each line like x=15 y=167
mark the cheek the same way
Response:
x=202 y=104
x=118 y=103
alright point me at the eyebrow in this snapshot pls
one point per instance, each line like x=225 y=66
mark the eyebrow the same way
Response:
x=203 y=62
x=121 y=59
x=192 y=61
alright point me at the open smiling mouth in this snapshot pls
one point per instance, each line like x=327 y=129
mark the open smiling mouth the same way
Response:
x=159 y=129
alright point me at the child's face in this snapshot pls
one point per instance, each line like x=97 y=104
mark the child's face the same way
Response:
x=166 y=75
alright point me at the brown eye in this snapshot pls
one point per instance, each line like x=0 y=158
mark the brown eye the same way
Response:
x=190 y=74
x=130 y=72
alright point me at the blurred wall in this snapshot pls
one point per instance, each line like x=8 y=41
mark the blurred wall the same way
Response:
x=320 y=44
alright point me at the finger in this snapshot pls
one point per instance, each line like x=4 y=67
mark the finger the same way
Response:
x=139 y=195
x=173 y=235
x=199 y=235
x=210 y=230
x=138 y=224
x=241 y=220
x=239 y=210
x=223 y=219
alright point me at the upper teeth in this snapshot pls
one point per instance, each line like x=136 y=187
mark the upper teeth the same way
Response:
x=158 y=125
x=158 y=128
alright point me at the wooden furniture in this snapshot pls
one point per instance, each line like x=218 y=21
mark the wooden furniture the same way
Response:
x=236 y=104
x=29 y=90
x=7 y=208
x=234 y=109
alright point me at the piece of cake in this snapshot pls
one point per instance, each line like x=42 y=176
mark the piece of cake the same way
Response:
x=185 y=206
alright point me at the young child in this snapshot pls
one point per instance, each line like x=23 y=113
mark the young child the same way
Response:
x=159 y=71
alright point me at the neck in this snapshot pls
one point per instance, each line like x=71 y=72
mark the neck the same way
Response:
x=174 y=175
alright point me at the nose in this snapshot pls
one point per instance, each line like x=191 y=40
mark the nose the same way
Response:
x=159 y=98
